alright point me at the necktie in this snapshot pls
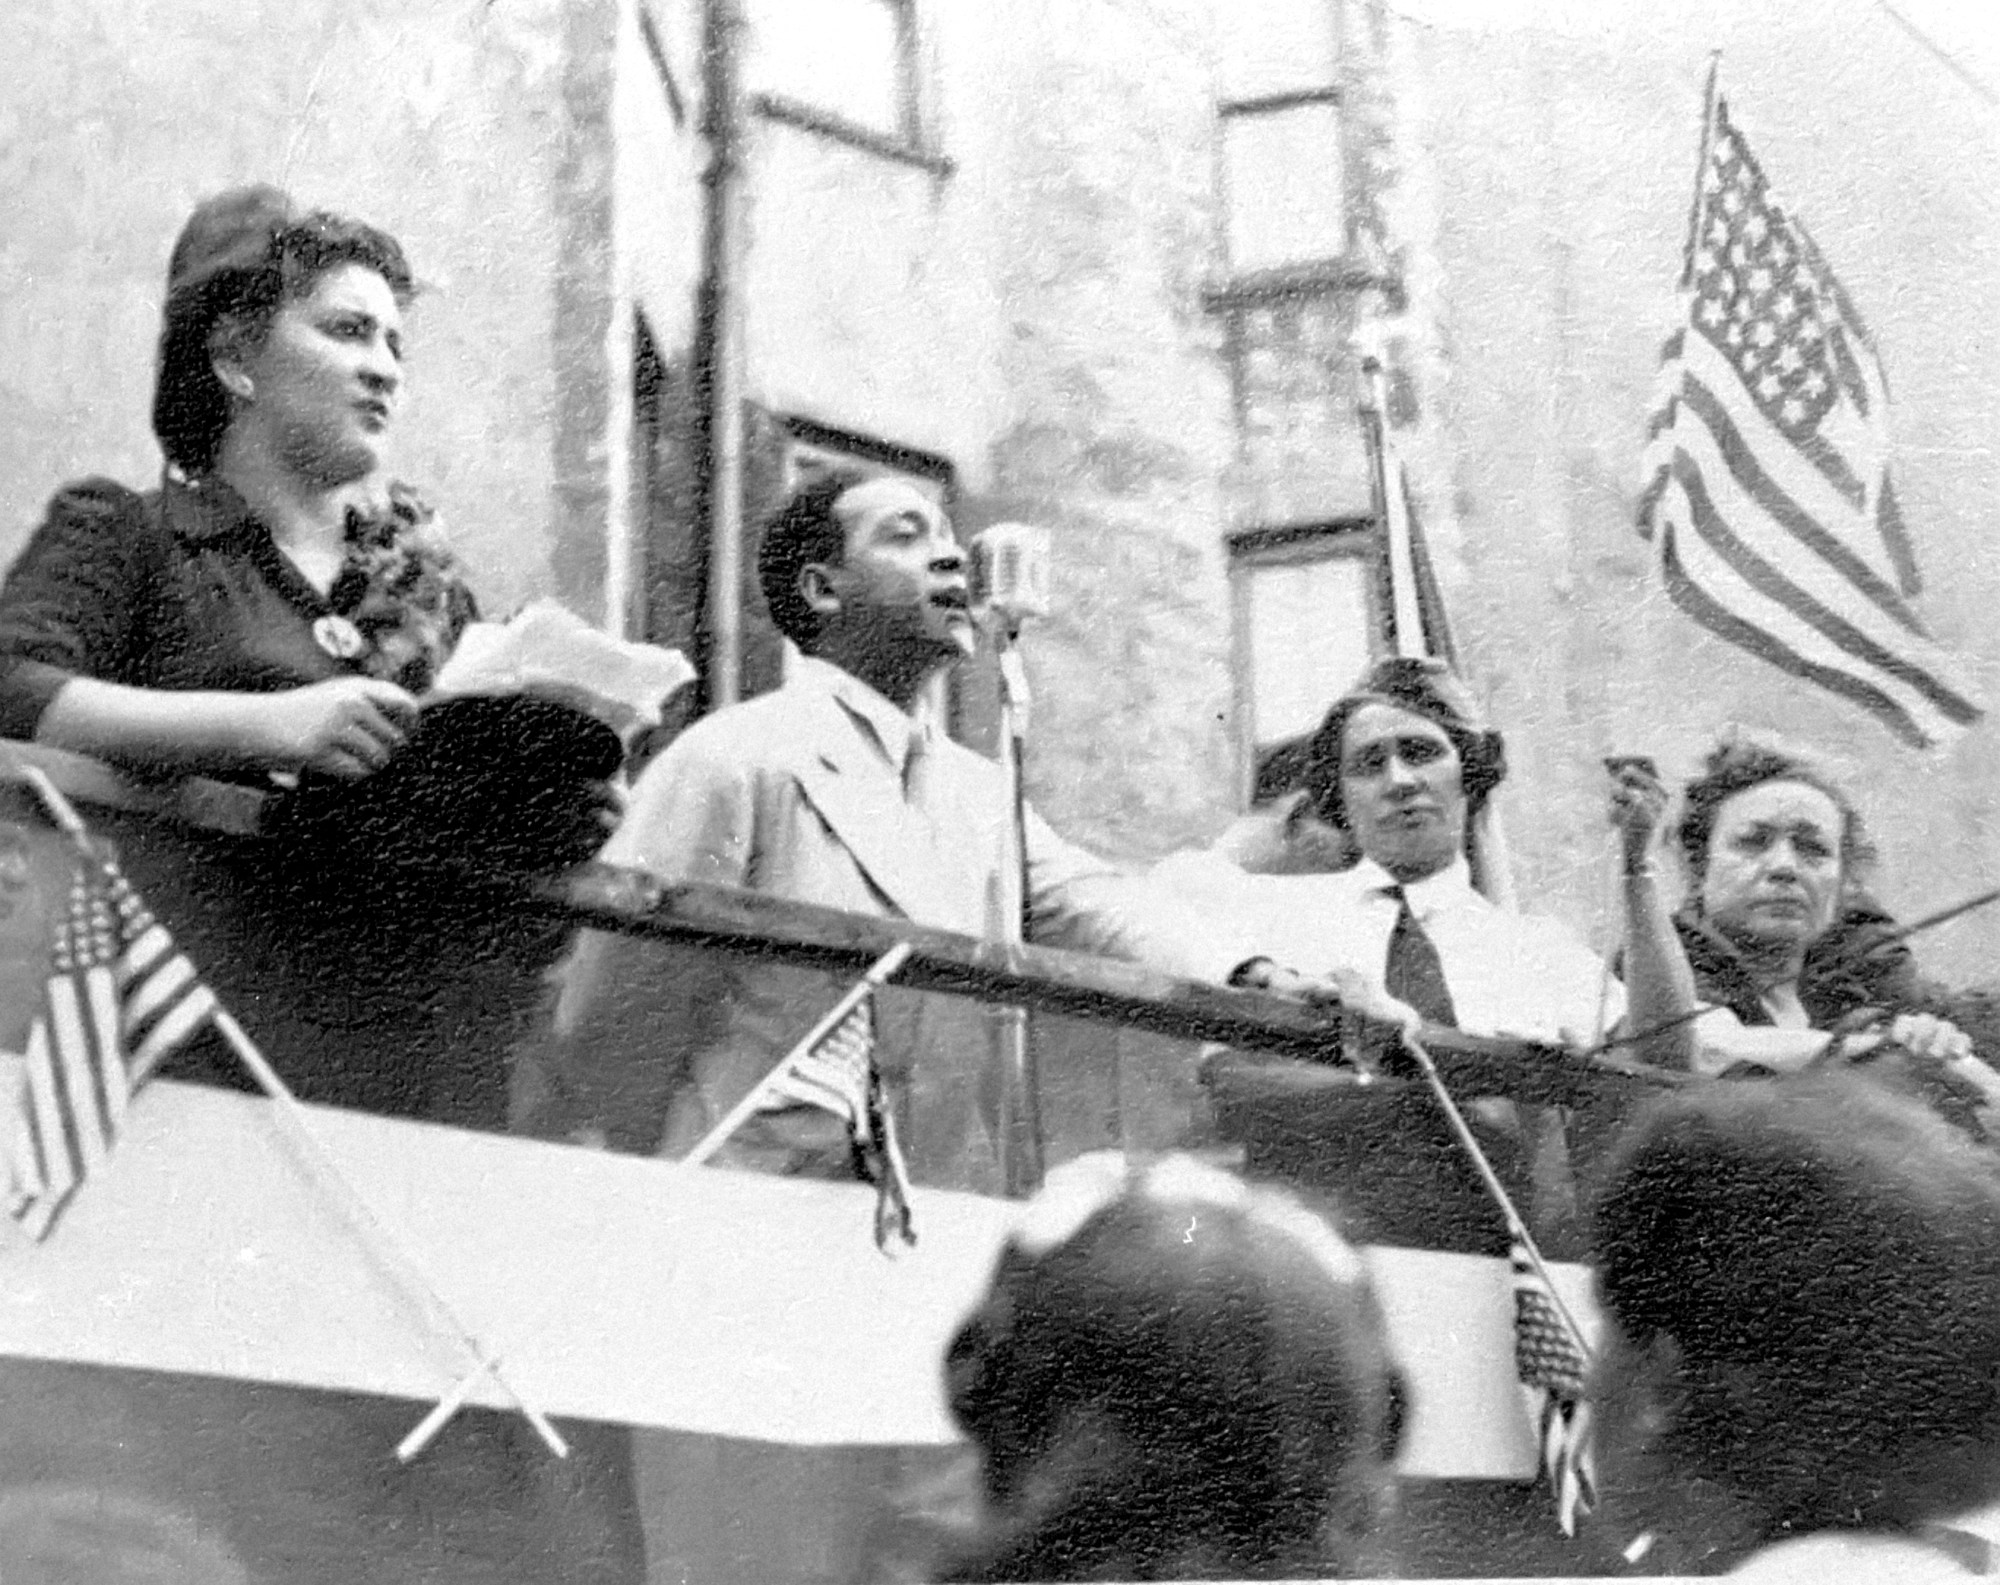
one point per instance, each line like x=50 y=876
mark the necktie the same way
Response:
x=916 y=768
x=1414 y=973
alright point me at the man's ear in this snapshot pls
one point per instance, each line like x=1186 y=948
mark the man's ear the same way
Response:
x=817 y=588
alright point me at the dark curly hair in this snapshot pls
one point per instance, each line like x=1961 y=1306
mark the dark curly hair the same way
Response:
x=1824 y=1255
x=1175 y=1375
x=1424 y=687
x=804 y=531
x=271 y=258
x=1737 y=764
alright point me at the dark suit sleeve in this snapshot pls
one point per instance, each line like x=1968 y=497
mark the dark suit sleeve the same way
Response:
x=77 y=600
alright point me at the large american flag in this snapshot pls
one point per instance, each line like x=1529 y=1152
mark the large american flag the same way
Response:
x=1768 y=489
x=1551 y=1367
x=840 y=1075
x=120 y=998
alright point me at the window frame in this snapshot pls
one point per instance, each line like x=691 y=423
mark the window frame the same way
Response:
x=1355 y=538
x=912 y=141
x=1335 y=262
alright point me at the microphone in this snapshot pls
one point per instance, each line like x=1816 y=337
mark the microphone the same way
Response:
x=1010 y=574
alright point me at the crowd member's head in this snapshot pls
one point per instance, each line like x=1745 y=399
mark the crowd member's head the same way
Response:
x=1282 y=832
x=865 y=571
x=1402 y=763
x=1799 y=1280
x=1174 y=1375
x=286 y=328
x=1773 y=847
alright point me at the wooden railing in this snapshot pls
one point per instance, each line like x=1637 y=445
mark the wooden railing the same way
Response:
x=1070 y=984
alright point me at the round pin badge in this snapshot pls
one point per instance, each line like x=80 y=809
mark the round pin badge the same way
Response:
x=339 y=637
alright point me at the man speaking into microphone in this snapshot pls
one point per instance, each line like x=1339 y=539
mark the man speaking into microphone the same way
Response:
x=832 y=790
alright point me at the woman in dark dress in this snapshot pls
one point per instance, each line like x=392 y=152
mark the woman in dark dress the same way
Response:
x=211 y=625
x=1778 y=934
x=269 y=615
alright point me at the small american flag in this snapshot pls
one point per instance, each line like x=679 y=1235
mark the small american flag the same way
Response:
x=840 y=1075
x=1768 y=492
x=1551 y=1368
x=120 y=998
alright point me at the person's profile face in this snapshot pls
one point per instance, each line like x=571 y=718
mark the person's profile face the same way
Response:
x=1774 y=871
x=325 y=379
x=1402 y=787
x=903 y=575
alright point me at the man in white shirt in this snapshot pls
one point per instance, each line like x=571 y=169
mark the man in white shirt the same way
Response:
x=1403 y=764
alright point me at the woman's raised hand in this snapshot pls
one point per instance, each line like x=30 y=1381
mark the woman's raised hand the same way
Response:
x=1638 y=808
x=1930 y=1036
x=346 y=727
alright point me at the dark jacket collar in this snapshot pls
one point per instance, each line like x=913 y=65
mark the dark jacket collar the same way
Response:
x=1855 y=964
x=206 y=509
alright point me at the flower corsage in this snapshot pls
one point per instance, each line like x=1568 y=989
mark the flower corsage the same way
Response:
x=400 y=601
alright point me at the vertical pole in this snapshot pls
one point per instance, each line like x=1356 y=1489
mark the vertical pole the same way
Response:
x=1020 y=1142
x=1701 y=169
x=1392 y=512
x=719 y=353
x=1486 y=847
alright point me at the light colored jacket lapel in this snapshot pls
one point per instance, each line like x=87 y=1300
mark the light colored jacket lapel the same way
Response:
x=857 y=794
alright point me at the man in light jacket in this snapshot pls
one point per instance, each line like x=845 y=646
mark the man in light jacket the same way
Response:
x=835 y=790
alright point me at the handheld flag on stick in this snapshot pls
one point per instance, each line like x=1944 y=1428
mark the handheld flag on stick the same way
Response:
x=834 y=1068
x=1551 y=1354
x=1551 y=1369
x=1768 y=489
x=122 y=997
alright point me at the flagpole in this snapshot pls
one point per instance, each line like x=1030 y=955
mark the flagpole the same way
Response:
x=416 y=1281
x=1392 y=512
x=1701 y=168
x=876 y=977
x=1515 y=1223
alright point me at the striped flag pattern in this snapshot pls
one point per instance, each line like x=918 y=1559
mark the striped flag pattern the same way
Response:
x=1768 y=494
x=840 y=1075
x=1551 y=1369
x=120 y=998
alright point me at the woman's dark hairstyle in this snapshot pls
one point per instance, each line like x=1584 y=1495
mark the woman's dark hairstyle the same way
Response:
x=1825 y=1254
x=803 y=531
x=1174 y=1375
x=1737 y=764
x=1426 y=688
x=242 y=254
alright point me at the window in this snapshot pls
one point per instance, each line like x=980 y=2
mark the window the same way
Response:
x=1281 y=160
x=812 y=449
x=847 y=69
x=1306 y=608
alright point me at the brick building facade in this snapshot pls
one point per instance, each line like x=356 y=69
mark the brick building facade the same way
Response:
x=1099 y=265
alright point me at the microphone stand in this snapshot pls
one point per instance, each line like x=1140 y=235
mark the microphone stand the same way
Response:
x=1006 y=923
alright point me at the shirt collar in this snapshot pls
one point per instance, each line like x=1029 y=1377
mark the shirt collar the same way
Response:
x=1448 y=888
x=893 y=728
